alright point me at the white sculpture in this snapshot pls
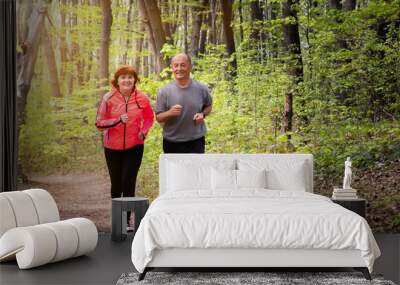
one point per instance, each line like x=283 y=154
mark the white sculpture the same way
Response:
x=347 y=174
x=31 y=231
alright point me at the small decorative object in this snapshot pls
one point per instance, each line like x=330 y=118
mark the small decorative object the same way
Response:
x=347 y=174
x=346 y=192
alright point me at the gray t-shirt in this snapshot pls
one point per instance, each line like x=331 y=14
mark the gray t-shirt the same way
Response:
x=193 y=99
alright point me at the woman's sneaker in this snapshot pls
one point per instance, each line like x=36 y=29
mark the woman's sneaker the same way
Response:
x=131 y=226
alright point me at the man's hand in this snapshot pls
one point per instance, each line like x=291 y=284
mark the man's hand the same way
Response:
x=124 y=118
x=198 y=118
x=175 y=111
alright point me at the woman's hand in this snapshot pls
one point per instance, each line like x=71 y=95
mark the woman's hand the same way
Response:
x=141 y=136
x=124 y=118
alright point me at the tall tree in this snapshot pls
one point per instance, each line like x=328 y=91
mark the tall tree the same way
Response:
x=174 y=10
x=31 y=33
x=291 y=44
x=51 y=63
x=334 y=4
x=257 y=35
x=146 y=57
x=151 y=15
x=204 y=27
x=256 y=19
x=346 y=6
x=138 y=57
x=197 y=20
x=105 y=41
x=226 y=6
x=128 y=39
x=213 y=22
x=349 y=5
x=27 y=58
x=167 y=10
x=63 y=43
x=240 y=8
x=185 y=27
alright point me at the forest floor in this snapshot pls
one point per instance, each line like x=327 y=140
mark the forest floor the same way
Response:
x=88 y=195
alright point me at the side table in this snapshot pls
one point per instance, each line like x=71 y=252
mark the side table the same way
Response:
x=120 y=207
x=358 y=206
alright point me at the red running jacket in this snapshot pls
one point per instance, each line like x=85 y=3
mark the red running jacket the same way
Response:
x=118 y=135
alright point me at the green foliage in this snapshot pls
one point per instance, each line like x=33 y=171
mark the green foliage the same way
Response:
x=169 y=50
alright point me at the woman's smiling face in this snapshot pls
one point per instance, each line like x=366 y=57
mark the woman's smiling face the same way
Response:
x=126 y=82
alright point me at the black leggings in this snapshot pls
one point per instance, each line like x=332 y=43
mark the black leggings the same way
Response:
x=123 y=167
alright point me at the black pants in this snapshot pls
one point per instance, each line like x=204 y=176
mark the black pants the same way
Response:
x=123 y=167
x=194 y=146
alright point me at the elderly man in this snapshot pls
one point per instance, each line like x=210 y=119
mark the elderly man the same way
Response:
x=181 y=108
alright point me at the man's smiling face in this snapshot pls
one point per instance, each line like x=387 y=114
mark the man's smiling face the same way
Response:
x=181 y=67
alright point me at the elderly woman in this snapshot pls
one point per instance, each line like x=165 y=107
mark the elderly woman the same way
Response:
x=125 y=116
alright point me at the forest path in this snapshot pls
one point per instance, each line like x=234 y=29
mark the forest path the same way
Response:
x=78 y=195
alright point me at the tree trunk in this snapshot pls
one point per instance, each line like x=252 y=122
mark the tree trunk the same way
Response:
x=63 y=42
x=75 y=52
x=272 y=11
x=51 y=63
x=175 y=11
x=226 y=6
x=212 y=26
x=241 y=21
x=151 y=16
x=256 y=17
x=146 y=58
x=257 y=36
x=27 y=60
x=105 y=42
x=334 y=4
x=139 y=48
x=185 y=27
x=150 y=38
x=197 y=19
x=24 y=10
x=291 y=44
x=349 y=5
x=166 y=10
x=152 y=64
x=204 y=28
x=346 y=5
x=128 y=42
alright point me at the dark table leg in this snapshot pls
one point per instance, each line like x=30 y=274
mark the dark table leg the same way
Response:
x=116 y=223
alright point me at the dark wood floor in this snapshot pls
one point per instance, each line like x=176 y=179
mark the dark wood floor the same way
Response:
x=110 y=260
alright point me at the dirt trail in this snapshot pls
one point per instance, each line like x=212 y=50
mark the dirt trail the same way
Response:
x=78 y=195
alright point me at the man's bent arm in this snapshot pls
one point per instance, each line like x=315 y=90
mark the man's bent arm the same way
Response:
x=207 y=110
x=163 y=117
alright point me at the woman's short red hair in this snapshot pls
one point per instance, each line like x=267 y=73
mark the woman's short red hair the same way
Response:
x=124 y=69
